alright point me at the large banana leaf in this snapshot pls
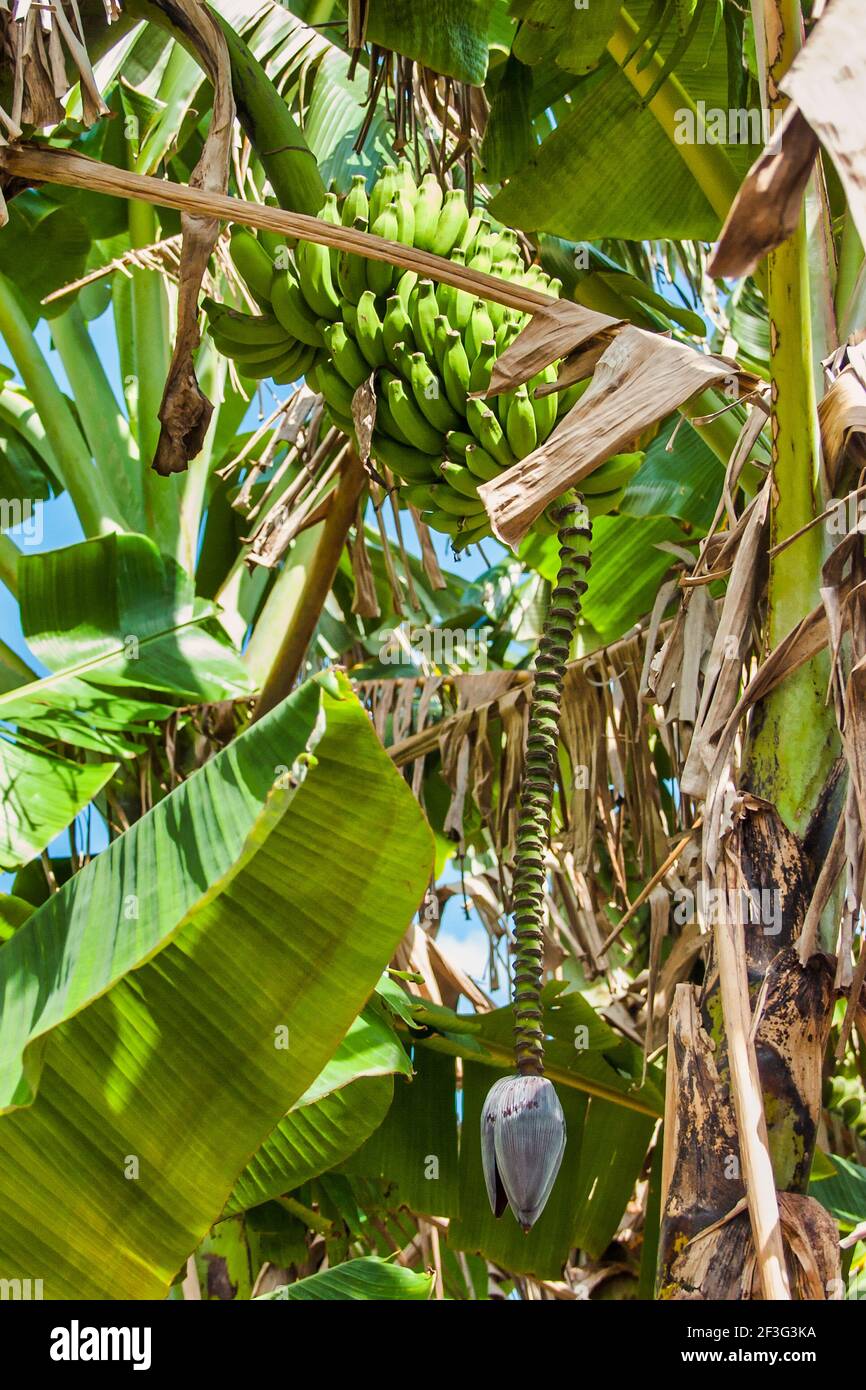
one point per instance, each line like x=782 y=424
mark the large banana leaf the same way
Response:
x=609 y=169
x=164 y=1009
x=112 y=618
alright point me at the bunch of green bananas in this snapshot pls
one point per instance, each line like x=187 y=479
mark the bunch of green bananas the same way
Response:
x=336 y=317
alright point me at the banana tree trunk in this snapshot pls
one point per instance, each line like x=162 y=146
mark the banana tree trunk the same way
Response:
x=736 y=1220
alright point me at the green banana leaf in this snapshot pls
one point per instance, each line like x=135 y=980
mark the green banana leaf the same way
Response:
x=843 y=1191
x=39 y=797
x=111 y=618
x=368 y=1278
x=312 y=1139
x=609 y=169
x=415 y=1151
x=146 y=1004
x=449 y=36
x=348 y=1100
x=573 y=36
x=627 y=569
x=685 y=482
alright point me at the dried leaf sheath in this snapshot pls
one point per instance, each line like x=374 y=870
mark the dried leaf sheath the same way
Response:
x=536 y=801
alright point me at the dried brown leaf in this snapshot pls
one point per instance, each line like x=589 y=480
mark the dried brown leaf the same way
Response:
x=639 y=379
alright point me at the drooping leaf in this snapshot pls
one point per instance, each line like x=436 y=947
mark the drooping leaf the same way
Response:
x=364 y=1279
x=449 y=36
x=143 y=1003
x=110 y=617
x=685 y=482
x=40 y=795
x=311 y=1139
x=348 y=1100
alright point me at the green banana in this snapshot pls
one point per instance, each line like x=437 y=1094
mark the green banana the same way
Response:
x=446 y=500
x=317 y=284
x=456 y=444
x=456 y=372
x=460 y=479
x=419 y=494
x=428 y=204
x=292 y=310
x=451 y=223
x=405 y=213
x=383 y=190
x=505 y=335
x=441 y=329
x=478 y=329
x=332 y=386
x=352 y=269
x=380 y=274
x=480 y=463
x=544 y=407
x=406 y=184
x=385 y=419
x=417 y=430
x=396 y=328
x=356 y=203
x=429 y=392
x=423 y=311
x=569 y=396
x=614 y=473
x=252 y=262
x=405 y=285
x=345 y=355
x=482 y=367
x=489 y=433
x=329 y=212
x=520 y=427
x=404 y=461
x=368 y=331
x=240 y=328
x=476 y=226
x=251 y=352
x=282 y=362
x=446 y=295
x=300 y=363
x=349 y=314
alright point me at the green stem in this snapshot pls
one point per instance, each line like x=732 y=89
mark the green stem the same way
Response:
x=279 y=607
x=792 y=747
x=13 y=662
x=9 y=556
x=105 y=426
x=71 y=455
x=151 y=355
x=850 y=265
x=708 y=163
x=536 y=791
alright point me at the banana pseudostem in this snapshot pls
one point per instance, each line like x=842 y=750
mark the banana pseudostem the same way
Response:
x=536 y=792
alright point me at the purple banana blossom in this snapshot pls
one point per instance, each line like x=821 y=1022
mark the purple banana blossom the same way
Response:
x=522 y=1143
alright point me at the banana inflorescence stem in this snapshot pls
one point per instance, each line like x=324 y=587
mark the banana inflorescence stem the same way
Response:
x=536 y=792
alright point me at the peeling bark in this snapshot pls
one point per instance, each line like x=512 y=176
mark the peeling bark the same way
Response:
x=706 y=1247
